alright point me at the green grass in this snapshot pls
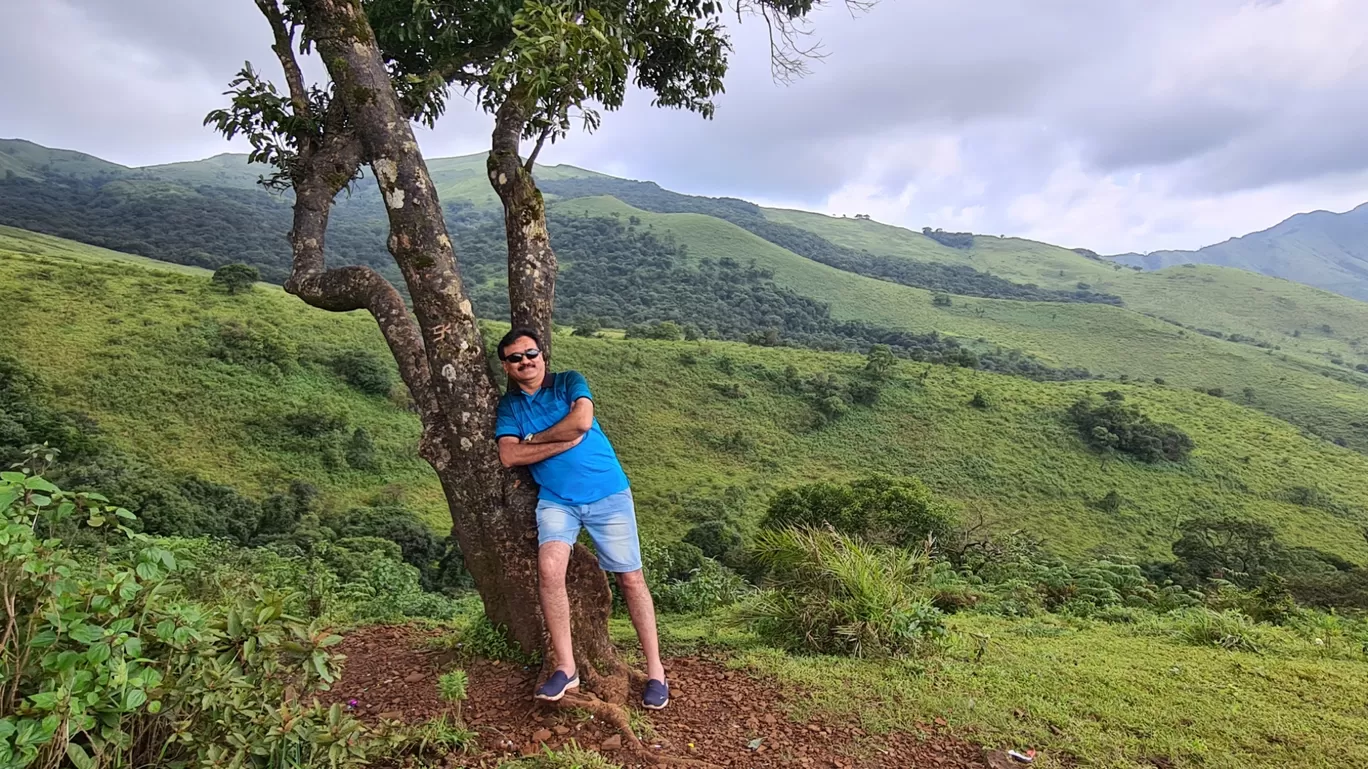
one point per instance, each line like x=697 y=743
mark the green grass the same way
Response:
x=127 y=345
x=1099 y=695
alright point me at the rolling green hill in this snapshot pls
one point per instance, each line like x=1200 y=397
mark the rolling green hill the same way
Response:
x=1320 y=248
x=1293 y=351
x=701 y=426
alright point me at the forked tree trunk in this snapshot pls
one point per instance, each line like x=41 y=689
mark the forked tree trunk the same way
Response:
x=442 y=356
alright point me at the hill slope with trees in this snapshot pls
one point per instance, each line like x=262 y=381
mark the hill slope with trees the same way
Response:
x=255 y=391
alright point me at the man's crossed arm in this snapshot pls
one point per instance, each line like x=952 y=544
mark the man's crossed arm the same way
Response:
x=562 y=436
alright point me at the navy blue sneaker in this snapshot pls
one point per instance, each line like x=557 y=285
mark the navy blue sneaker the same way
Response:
x=656 y=696
x=556 y=686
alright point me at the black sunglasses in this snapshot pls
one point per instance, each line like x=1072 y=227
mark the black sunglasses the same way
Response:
x=518 y=356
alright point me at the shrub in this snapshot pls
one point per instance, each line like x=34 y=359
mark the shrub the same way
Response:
x=106 y=667
x=1227 y=548
x=941 y=300
x=253 y=343
x=979 y=401
x=718 y=540
x=315 y=422
x=588 y=325
x=833 y=594
x=875 y=508
x=671 y=562
x=708 y=587
x=361 y=454
x=1229 y=630
x=1111 y=424
x=236 y=277
x=364 y=370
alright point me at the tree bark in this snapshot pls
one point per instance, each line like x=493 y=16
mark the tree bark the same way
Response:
x=440 y=349
x=531 y=262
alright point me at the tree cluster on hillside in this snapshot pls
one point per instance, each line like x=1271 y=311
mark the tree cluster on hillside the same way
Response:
x=964 y=240
x=202 y=226
x=1107 y=423
x=624 y=276
x=933 y=276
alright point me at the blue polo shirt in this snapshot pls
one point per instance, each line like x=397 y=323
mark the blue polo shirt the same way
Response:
x=586 y=473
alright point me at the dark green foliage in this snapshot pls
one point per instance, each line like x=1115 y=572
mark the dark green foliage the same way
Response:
x=315 y=422
x=365 y=371
x=957 y=279
x=864 y=392
x=236 y=278
x=1111 y=424
x=877 y=508
x=418 y=544
x=673 y=562
x=941 y=300
x=1109 y=503
x=1233 y=549
x=253 y=342
x=951 y=239
x=202 y=226
x=588 y=325
x=361 y=453
x=879 y=362
x=979 y=401
x=718 y=540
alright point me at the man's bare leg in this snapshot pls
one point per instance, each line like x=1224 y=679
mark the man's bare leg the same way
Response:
x=552 y=559
x=637 y=596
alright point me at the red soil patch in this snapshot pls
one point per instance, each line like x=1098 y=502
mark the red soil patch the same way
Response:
x=715 y=714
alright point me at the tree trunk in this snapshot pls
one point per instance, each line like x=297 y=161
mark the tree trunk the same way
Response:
x=531 y=262
x=443 y=360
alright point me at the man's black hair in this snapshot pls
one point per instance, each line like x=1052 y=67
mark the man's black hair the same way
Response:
x=515 y=335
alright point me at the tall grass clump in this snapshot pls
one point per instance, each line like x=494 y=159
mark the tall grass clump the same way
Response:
x=830 y=593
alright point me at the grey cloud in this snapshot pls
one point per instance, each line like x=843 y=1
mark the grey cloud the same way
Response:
x=1024 y=88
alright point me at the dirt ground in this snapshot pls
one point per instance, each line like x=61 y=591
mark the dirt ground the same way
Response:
x=724 y=717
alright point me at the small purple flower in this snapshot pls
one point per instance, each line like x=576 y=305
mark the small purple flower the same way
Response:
x=351 y=704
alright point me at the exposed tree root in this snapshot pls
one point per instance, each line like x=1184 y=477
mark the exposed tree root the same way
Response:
x=615 y=715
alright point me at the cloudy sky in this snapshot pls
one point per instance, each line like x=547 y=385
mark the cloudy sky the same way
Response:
x=1116 y=125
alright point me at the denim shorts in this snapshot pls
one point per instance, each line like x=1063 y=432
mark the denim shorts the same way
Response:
x=611 y=523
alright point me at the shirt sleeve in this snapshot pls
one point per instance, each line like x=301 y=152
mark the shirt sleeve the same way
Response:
x=576 y=387
x=505 y=423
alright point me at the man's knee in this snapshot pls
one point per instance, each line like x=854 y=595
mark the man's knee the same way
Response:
x=552 y=560
x=631 y=581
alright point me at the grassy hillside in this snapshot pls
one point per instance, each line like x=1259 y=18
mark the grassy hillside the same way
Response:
x=699 y=425
x=1296 y=357
x=1319 y=248
x=1104 y=339
x=1232 y=301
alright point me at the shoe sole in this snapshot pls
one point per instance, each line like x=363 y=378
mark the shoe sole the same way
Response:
x=661 y=706
x=549 y=698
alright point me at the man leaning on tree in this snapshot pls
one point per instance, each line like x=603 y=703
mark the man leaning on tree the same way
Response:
x=546 y=422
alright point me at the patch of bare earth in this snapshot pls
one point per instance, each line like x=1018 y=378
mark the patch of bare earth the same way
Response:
x=716 y=715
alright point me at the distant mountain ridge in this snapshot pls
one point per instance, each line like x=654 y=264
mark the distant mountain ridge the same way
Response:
x=1321 y=248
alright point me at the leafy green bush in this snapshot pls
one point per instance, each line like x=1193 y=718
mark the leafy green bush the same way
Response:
x=105 y=666
x=830 y=593
x=1229 y=630
x=876 y=508
x=1109 y=424
x=253 y=342
x=236 y=277
x=718 y=540
x=365 y=371
x=361 y=454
